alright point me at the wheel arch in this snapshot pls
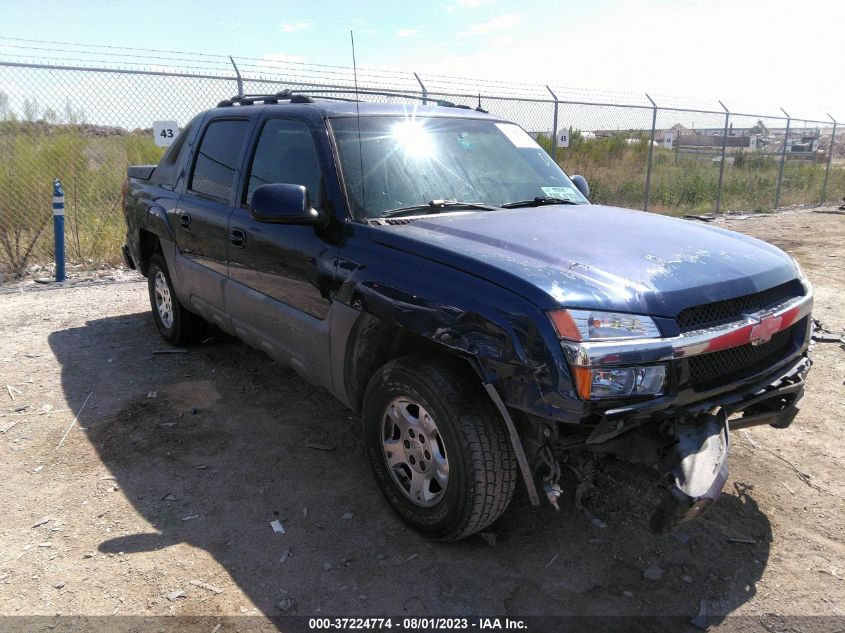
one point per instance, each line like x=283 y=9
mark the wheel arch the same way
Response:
x=375 y=320
x=148 y=244
x=373 y=342
x=153 y=228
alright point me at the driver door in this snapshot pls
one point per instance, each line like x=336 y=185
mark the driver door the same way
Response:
x=280 y=275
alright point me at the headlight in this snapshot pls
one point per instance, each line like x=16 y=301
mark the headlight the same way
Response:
x=619 y=382
x=593 y=325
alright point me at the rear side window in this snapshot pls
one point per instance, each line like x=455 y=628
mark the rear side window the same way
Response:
x=218 y=158
x=286 y=154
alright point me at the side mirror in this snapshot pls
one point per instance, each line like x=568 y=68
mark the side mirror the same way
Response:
x=581 y=184
x=284 y=204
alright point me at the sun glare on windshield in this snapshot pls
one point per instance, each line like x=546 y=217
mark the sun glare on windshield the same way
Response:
x=413 y=139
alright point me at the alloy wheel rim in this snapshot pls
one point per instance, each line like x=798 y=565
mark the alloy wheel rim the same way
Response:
x=164 y=300
x=414 y=451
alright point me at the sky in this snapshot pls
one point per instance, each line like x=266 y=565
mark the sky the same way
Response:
x=762 y=55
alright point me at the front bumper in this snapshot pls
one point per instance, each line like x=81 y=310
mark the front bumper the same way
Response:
x=773 y=398
x=696 y=466
x=685 y=433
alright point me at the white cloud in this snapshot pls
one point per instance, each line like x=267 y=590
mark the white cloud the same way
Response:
x=407 y=32
x=495 y=25
x=293 y=27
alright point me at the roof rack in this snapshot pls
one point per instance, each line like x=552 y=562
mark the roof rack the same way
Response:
x=330 y=94
x=284 y=95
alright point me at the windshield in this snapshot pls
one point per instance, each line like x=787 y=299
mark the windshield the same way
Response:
x=409 y=161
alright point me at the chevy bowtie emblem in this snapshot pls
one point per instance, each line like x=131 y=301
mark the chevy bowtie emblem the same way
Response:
x=762 y=332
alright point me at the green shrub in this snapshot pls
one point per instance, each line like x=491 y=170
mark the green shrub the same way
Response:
x=91 y=168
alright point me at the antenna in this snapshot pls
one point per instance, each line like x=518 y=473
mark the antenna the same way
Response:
x=358 y=118
x=479 y=108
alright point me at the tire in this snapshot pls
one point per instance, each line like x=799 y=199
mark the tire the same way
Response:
x=176 y=324
x=466 y=438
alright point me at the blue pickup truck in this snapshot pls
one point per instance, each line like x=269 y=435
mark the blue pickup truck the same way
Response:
x=436 y=271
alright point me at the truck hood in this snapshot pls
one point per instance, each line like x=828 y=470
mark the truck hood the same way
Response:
x=598 y=257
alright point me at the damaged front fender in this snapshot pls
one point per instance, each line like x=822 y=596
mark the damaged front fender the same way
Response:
x=509 y=340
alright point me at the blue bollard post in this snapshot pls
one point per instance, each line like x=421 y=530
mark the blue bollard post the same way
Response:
x=59 y=228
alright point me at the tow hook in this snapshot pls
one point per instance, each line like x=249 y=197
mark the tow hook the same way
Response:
x=698 y=469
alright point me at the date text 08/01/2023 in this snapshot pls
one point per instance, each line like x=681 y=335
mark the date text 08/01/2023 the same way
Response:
x=417 y=624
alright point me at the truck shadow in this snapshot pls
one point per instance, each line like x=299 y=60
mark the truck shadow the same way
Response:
x=211 y=446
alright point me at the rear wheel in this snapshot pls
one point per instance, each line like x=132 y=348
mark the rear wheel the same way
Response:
x=438 y=448
x=176 y=324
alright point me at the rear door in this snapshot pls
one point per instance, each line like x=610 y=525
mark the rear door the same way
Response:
x=282 y=274
x=202 y=216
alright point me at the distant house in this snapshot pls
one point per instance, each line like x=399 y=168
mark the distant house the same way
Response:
x=680 y=130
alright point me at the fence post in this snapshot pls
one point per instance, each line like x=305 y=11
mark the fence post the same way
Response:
x=424 y=91
x=722 y=162
x=782 y=157
x=829 y=157
x=650 y=153
x=59 y=228
x=238 y=77
x=554 y=126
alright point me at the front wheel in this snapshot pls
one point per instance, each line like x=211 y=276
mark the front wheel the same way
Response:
x=176 y=325
x=438 y=448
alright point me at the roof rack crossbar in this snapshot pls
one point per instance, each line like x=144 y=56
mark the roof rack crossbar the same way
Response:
x=330 y=93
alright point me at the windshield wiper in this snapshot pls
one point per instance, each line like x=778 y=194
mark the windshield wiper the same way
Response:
x=436 y=206
x=537 y=202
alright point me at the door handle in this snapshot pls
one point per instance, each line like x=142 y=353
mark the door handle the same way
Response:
x=237 y=238
x=185 y=221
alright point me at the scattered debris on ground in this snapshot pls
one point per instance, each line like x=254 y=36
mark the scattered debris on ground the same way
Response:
x=318 y=446
x=206 y=586
x=653 y=572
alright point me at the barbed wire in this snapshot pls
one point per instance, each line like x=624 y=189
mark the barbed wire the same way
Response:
x=105 y=56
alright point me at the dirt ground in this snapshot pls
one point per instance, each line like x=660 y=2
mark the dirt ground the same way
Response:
x=158 y=499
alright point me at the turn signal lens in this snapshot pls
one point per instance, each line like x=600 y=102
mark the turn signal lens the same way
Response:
x=564 y=325
x=583 y=381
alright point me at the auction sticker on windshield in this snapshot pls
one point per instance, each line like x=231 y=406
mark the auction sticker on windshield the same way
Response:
x=564 y=193
x=517 y=135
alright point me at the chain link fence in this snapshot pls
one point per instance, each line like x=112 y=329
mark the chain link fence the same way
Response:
x=81 y=118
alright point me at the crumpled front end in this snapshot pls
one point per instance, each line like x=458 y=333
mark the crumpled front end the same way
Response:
x=746 y=372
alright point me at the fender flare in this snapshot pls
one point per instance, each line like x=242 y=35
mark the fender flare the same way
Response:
x=156 y=222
